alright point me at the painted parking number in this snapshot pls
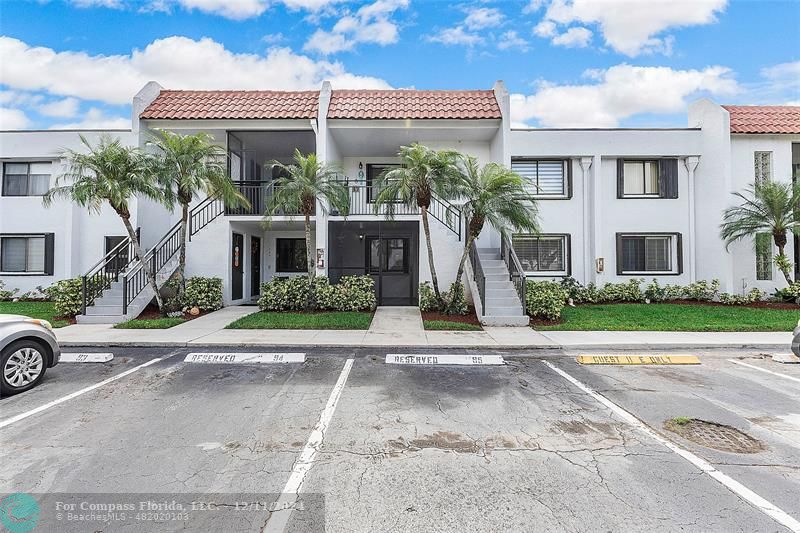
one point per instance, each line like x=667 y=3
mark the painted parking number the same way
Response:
x=277 y=358
x=477 y=360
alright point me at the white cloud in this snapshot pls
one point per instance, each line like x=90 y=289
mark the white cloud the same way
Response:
x=456 y=36
x=573 y=38
x=232 y=9
x=632 y=27
x=618 y=93
x=483 y=17
x=114 y=4
x=175 y=62
x=13 y=119
x=779 y=84
x=533 y=6
x=95 y=119
x=20 y=98
x=546 y=28
x=65 y=108
x=511 y=39
x=372 y=23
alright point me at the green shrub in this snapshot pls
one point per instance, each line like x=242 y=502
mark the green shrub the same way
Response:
x=545 y=299
x=6 y=295
x=203 y=293
x=427 y=298
x=702 y=291
x=754 y=295
x=790 y=293
x=66 y=296
x=573 y=288
x=622 y=292
x=34 y=295
x=455 y=301
x=352 y=293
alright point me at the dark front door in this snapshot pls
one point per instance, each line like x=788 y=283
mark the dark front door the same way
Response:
x=255 y=266
x=237 y=266
x=117 y=263
x=388 y=261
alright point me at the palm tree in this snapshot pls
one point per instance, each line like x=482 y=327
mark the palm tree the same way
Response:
x=492 y=194
x=298 y=189
x=187 y=165
x=769 y=207
x=423 y=172
x=108 y=173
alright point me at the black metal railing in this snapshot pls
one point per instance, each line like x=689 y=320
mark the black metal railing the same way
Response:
x=204 y=214
x=478 y=275
x=514 y=266
x=446 y=213
x=105 y=272
x=258 y=195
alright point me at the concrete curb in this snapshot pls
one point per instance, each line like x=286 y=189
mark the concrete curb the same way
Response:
x=571 y=347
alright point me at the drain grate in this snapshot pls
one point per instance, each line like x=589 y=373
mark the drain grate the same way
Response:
x=715 y=436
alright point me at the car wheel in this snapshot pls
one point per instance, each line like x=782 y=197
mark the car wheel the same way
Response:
x=23 y=365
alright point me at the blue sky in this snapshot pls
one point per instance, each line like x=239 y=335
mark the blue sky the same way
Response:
x=567 y=63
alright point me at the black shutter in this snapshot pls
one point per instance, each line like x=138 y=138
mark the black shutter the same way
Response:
x=619 y=249
x=49 y=253
x=679 y=246
x=620 y=178
x=569 y=178
x=668 y=178
x=568 y=253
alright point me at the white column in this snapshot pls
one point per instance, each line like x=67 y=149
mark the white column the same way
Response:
x=691 y=163
x=597 y=217
x=588 y=260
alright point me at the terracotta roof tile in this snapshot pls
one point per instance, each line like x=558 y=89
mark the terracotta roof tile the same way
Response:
x=401 y=104
x=233 y=105
x=764 y=118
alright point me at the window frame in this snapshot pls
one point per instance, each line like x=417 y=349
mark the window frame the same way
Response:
x=278 y=269
x=676 y=253
x=27 y=194
x=383 y=255
x=769 y=260
x=566 y=167
x=644 y=163
x=49 y=247
x=566 y=239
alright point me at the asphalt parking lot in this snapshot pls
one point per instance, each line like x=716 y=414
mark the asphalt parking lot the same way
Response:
x=369 y=446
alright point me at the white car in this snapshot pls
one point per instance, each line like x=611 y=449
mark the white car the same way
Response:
x=28 y=347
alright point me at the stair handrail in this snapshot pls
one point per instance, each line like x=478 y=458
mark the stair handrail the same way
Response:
x=448 y=214
x=515 y=271
x=204 y=214
x=478 y=275
x=97 y=279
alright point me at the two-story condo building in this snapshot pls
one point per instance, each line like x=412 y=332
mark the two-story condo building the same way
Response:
x=614 y=203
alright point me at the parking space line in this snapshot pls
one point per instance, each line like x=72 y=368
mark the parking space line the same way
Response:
x=754 y=367
x=48 y=405
x=280 y=517
x=443 y=359
x=731 y=484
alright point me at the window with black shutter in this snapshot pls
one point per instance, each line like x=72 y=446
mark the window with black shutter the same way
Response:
x=27 y=254
x=647 y=178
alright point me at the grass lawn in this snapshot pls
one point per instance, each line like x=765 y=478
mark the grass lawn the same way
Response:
x=150 y=323
x=673 y=317
x=45 y=310
x=294 y=320
x=449 y=325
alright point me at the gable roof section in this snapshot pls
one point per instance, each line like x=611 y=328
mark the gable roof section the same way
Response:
x=233 y=105
x=764 y=118
x=413 y=104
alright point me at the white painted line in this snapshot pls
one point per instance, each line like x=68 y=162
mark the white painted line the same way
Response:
x=86 y=357
x=244 y=357
x=442 y=359
x=280 y=517
x=90 y=388
x=754 y=367
x=734 y=486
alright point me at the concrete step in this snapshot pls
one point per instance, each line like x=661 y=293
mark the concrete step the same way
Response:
x=104 y=310
x=502 y=301
x=100 y=319
x=505 y=292
x=511 y=310
x=496 y=277
x=498 y=285
x=489 y=263
x=506 y=321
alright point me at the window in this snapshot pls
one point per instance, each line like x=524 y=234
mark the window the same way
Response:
x=764 y=256
x=26 y=254
x=542 y=254
x=291 y=255
x=649 y=253
x=373 y=181
x=652 y=178
x=762 y=167
x=392 y=258
x=544 y=178
x=26 y=179
x=640 y=178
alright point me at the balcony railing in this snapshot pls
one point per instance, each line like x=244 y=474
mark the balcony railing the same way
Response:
x=258 y=194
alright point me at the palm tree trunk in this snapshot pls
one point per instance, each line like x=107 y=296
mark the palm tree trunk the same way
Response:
x=137 y=250
x=464 y=256
x=310 y=263
x=784 y=271
x=182 y=253
x=426 y=228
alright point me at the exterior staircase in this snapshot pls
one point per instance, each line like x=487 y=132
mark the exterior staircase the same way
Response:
x=500 y=291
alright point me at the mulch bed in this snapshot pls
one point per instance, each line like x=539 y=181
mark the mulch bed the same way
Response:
x=151 y=312
x=71 y=319
x=469 y=318
x=544 y=322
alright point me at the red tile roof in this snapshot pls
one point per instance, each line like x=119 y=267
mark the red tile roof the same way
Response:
x=764 y=118
x=401 y=104
x=233 y=105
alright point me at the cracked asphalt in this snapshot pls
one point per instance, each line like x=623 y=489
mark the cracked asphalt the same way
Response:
x=511 y=448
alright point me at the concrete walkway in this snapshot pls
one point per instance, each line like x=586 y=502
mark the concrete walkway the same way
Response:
x=401 y=327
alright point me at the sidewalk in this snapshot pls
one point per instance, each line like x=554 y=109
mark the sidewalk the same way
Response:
x=398 y=328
